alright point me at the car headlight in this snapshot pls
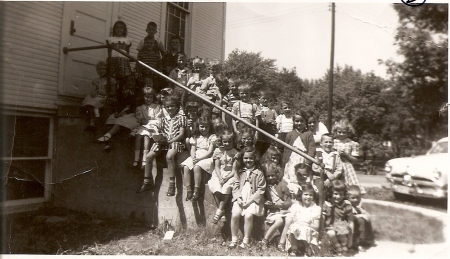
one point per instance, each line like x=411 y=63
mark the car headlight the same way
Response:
x=387 y=167
x=436 y=174
x=407 y=178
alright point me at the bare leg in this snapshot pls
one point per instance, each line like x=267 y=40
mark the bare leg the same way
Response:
x=170 y=157
x=248 y=226
x=287 y=224
x=277 y=224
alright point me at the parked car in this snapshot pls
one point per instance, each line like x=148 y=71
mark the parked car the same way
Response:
x=420 y=176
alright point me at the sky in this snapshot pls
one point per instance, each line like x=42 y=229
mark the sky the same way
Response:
x=298 y=34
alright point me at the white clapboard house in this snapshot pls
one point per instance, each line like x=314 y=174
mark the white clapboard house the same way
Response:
x=47 y=158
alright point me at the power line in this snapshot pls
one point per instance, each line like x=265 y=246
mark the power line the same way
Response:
x=273 y=15
x=271 y=19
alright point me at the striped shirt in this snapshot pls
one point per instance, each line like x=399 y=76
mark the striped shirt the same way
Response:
x=229 y=100
x=171 y=127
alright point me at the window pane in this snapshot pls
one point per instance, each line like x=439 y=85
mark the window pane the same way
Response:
x=25 y=136
x=186 y=5
x=24 y=179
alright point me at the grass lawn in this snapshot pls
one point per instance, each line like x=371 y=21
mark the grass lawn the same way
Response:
x=83 y=234
x=392 y=224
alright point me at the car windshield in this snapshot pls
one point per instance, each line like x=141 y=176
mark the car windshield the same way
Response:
x=441 y=147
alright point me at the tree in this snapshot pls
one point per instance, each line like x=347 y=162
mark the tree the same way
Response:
x=252 y=67
x=423 y=76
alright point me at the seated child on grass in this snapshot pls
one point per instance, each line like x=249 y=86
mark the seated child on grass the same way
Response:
x=303 y=232
x=363 y=234
x=278 y=200
x=339 y=219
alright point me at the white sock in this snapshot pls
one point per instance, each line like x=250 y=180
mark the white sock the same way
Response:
x=136 y=155
x=245 y=240
x=97 y=112
x=144 y=155
x=234 y=239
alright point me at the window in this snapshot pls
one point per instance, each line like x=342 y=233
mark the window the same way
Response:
x=176 y=17
x=26 y=156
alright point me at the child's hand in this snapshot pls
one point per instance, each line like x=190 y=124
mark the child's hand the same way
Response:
x=222 y=181
x=327 y=183
x=247 y=204
x=240 y=202
x=195 y=160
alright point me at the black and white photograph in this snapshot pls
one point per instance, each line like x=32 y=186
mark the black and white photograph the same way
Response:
x=237 y=128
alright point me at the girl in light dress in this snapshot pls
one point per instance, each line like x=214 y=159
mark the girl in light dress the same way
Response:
x=222 y=180
x=99 y=97
x=119 y=65
x=302 y=233
x=348 y=151
x=202 y=148
x=148 y=115
x=248 y=195
x=303 y=140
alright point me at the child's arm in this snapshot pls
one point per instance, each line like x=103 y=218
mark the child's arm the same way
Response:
x=140 y=116
x=177 y=138
x=206 y=155
x=217 y=170
x=193 y=149
x=260 y=189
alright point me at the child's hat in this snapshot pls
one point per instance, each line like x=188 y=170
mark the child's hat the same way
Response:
x=166 y=91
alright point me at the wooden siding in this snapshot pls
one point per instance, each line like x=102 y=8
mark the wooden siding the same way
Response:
x=208 y=30
x=30 y=46
x=137 y=15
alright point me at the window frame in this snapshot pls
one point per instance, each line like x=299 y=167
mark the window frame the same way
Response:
x=185 y=46
x=20 y=205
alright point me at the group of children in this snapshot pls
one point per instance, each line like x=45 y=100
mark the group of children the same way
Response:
x=259 y=176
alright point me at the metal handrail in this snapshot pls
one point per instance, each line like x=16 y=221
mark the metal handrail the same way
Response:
x=293 y=149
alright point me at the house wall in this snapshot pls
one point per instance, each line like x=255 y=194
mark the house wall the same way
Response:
x=208 y=30
x=30 y=46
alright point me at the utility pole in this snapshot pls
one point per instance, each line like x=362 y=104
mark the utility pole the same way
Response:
x=330 y=81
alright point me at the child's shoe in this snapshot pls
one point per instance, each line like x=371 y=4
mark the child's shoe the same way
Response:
x=135 y=164
x=171 y=190
x=196 y=194
x=188 y=193
x=233 y=244
x=217 y=216
x=146 y=187
x=281 y=247
x=244 y=245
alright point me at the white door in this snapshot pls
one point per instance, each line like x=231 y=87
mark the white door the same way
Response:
x=85 y=24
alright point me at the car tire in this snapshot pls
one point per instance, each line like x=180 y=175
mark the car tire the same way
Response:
x=399 y=196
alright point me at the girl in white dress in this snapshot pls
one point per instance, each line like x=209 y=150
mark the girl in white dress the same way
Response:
x=302 y=233
x=148 y=115
x=202 y=148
